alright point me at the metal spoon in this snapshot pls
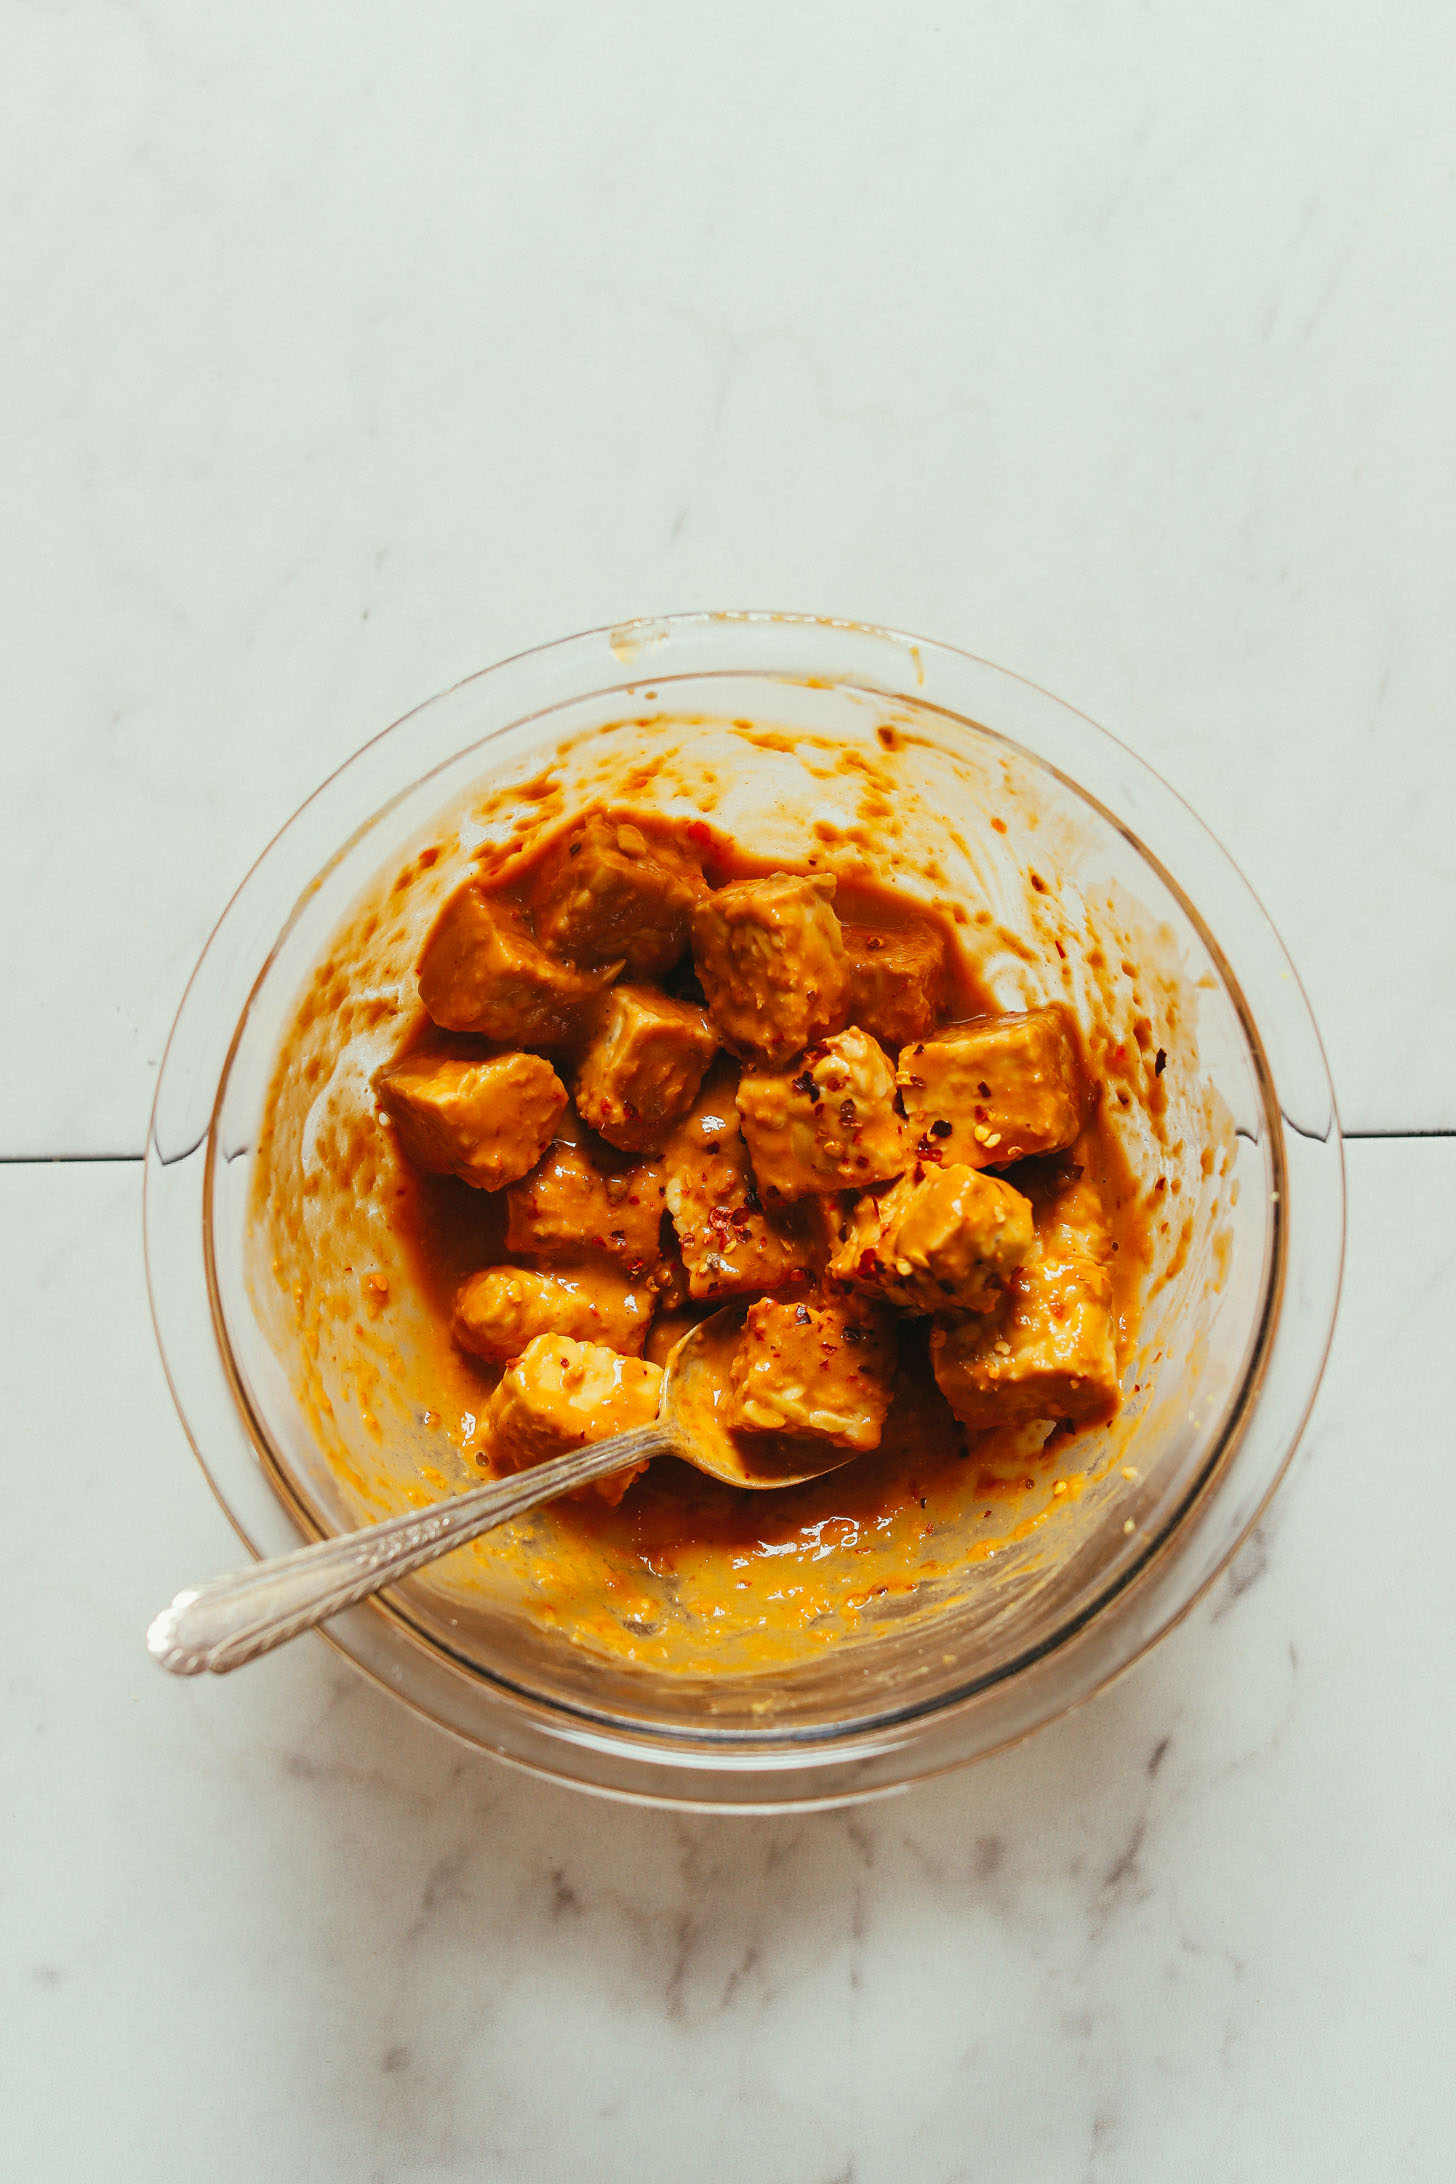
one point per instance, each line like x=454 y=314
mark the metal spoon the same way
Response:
x=232 y=1620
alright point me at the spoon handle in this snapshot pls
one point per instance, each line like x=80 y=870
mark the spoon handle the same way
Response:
x=232 y=1620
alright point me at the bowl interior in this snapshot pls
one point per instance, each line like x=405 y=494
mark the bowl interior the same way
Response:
x=1055 y=896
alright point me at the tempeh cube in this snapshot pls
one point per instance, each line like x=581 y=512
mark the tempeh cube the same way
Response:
x=481 y=971
x=502 y=1309
x=898 y=980
x=608 y=894
x=772 y=963
x=486 y=1119
x=729 y=1243
x=827 y=1125
x=1049 y=1353
x=939 y=1240
x=558 y=1395
x=575 y=1203
x=824 y=1367
x=995 y=1090
x=641 y=1071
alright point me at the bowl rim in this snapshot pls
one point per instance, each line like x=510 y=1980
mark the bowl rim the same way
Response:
x=782 y=1757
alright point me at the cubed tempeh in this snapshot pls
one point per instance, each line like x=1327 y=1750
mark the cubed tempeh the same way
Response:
x=503 y=1308
x=480 y=970
x=1049 y=1353
x=610 y=894
x=898 y=980
x=939 y=1240
x=560 y=1394
x=827 y=1122
x=729 y=1242
x=824 y=1367
x=772 y=963
x=995 y=1090
x=486 y=1119
x=642 y=1069
x=580 y=1200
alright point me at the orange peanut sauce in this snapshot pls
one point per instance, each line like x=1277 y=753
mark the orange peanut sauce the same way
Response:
x=360 y=1255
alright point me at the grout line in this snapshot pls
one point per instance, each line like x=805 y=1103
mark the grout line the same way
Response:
x=65 y=1160
x=1358 y=1137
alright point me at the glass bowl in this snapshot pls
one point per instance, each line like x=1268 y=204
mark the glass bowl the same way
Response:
x=796 y=724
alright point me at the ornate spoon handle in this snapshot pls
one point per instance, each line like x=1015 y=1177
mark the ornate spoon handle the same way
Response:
x=232 y=1620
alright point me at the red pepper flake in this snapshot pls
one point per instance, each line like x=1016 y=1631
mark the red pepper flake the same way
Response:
x=1161 y=1063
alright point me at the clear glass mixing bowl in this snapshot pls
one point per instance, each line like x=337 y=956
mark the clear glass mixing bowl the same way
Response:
x=1240 y=1336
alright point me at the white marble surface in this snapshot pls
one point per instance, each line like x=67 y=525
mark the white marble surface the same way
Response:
x=349 y=348
x=270 y=1927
